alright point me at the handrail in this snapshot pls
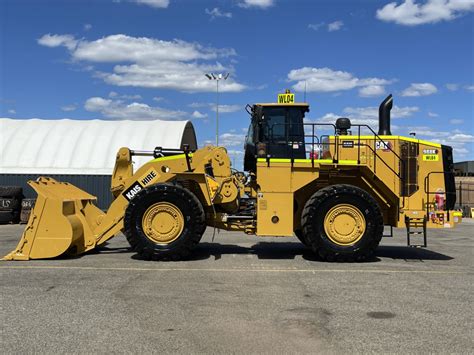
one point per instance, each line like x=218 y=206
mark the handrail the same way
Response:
x=427 y=191
x=315 y=140
x=376 y=135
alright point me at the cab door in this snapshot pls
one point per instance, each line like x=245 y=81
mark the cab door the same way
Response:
x=284 y=133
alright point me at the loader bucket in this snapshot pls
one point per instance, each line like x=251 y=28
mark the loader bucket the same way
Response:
x=61 y=222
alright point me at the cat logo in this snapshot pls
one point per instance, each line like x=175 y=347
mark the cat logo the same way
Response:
x=385 y=146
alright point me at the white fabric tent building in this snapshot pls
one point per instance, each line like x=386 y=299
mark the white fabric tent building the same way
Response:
x=80 y=151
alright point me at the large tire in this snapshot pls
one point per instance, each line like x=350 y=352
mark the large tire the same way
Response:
x=9 y=217
x=11 y=191
x=164 y=222
x=342 y=223
x=24 y=216
x=28 y=203
x=9 y=204
x=300 y=236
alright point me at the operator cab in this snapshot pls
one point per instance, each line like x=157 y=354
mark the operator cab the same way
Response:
x=276 y=131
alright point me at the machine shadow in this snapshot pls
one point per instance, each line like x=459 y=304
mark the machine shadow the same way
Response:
x=265 y=250
x=285 y=251
x=409 y=253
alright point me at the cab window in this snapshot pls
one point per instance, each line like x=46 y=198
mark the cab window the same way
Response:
x=281 y=123
x=250 y=134
x=274 y=123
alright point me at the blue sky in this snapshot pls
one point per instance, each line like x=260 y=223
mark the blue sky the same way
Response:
x=146 y=59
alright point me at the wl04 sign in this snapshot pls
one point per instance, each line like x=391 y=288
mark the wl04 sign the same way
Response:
x=286 y=98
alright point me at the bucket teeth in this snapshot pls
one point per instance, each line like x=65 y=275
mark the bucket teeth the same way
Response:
x=15 y=255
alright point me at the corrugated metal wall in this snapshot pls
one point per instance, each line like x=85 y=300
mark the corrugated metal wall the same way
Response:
x=464 y=191
x=97 y=185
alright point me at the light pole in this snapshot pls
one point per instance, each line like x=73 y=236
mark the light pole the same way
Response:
x=217 y=78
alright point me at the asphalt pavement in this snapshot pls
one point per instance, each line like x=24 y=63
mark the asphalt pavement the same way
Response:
x=242 y=294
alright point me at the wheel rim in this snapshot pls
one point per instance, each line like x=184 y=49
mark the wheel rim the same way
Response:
x=344 y=224
x=163 y=222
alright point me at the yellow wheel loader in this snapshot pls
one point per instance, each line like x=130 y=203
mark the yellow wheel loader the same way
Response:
x=334 y=186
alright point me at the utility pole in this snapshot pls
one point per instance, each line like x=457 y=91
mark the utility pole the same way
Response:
x=217 y=78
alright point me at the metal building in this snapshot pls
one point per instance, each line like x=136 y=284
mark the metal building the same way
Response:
x=464 y=168
x=80 y=151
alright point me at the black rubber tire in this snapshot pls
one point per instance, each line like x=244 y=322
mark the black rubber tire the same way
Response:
x=25 y=216
x=9 y=217
x=190 y=207
x=11 y=191
x=300 y=236
x=28 y=203
x=316 y=209
x=10 y=204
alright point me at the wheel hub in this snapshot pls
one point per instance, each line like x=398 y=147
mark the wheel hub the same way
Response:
x=344 y=224
x=163 y=222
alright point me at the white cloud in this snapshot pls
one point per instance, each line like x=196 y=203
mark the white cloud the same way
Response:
x=11 y=111
x=87 y=27
x=463 y=138
x=116 y=95
x=231 y=139
x=226 y=108
x=158 y=98
x=365 y=116
x=452 y=87
x=316 y=26
x=331 y=27
x=372 y=90
x=335 y=26
x=372 y=112
x=50 y=40
x=432 y=114
x=420 y=89
x=216 y=12
x=328 y=80
x=151 y=63
x=469 y=88
x=123 y=48
x=199 y=104
x=428 y=132
x=234 y=144
x=197 y=114
x=69 y=108
x=262 y=4
x=411 y=13
x=157 y=4
x=117 y=109
x=456 y=121
x=212 y=107
x=461 y=142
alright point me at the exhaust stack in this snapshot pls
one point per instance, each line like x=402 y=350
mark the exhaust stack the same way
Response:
x=384 y=116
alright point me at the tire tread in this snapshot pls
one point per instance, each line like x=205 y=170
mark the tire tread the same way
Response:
x=145 y=249
x=311 y=209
